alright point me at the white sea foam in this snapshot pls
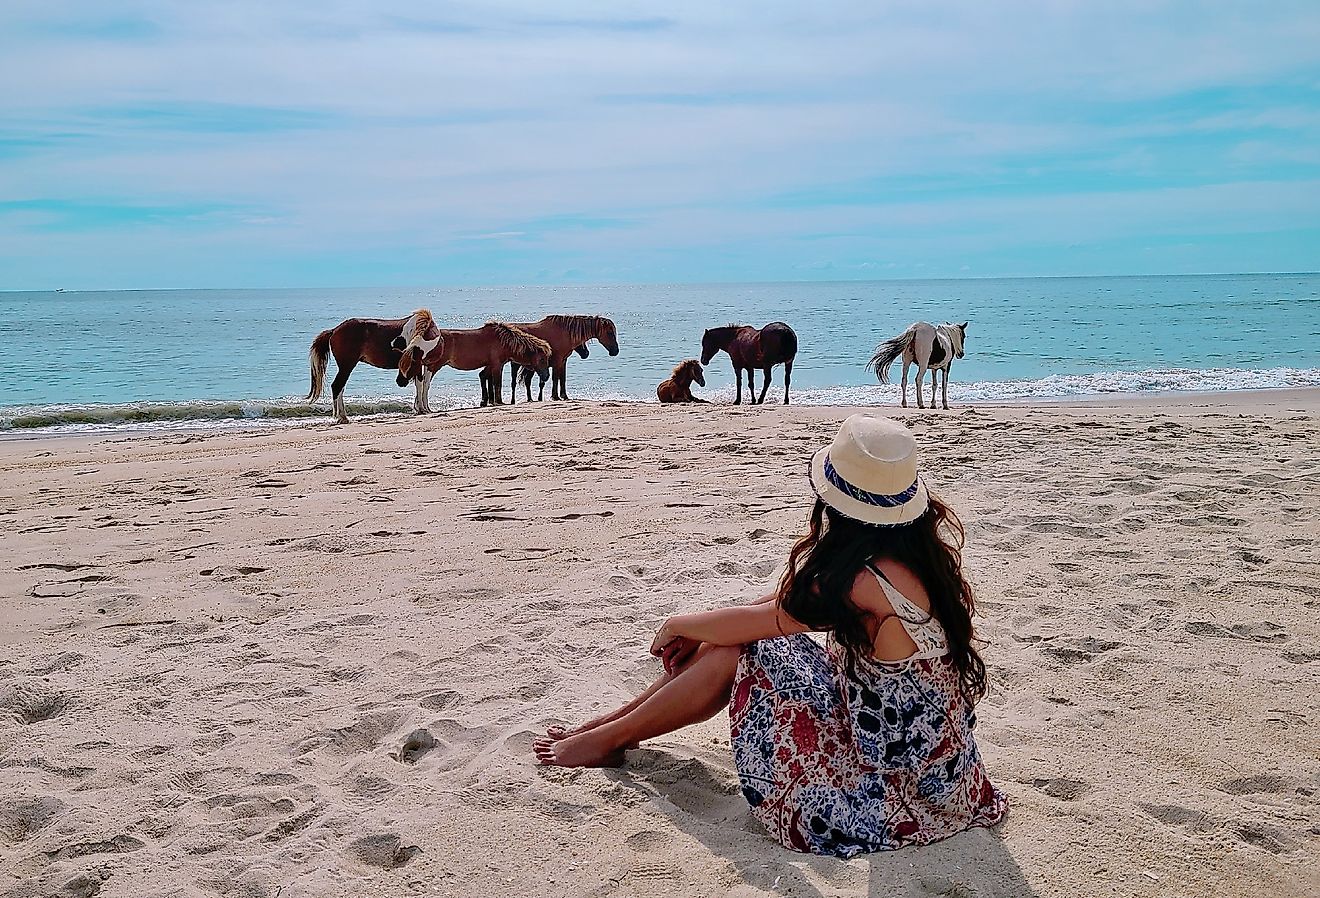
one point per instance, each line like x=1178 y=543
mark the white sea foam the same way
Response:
x=287 y=411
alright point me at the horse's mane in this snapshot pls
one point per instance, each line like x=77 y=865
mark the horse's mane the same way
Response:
x=420 y=331
x=518 y=340
x=688 y=368
x=726 y=330
x=580 y=328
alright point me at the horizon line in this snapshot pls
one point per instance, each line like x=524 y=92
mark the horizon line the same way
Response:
x=605 y=284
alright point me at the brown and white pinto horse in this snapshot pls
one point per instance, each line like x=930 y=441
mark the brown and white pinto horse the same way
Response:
x=679 y=386
x=487 y=349
x=351 y=341
x=567 y=334
x=750 y=349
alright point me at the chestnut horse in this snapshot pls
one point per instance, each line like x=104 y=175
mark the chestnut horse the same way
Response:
x=750 y=349
x=679 y=386
x=567 y=334
x=487 y=348
x=351 y=341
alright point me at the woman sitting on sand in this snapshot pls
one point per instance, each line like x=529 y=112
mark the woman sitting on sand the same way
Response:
x=864 y=744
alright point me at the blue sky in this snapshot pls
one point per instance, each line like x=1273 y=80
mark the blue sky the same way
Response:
x=245 y=144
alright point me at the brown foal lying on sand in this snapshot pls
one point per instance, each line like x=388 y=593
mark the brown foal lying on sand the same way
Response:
x=679 y=386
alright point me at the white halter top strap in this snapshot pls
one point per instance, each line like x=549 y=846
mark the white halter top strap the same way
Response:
x=921 y=626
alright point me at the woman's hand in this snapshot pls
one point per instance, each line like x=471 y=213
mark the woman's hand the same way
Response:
x=678 y=652
x=667 y=633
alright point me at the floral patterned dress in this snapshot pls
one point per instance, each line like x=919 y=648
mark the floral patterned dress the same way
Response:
x=834 y=764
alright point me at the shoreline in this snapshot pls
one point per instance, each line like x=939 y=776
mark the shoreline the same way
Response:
x=1282 y=400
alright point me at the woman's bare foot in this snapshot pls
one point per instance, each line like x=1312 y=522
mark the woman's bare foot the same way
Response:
x=555 y=733
x=589 y=749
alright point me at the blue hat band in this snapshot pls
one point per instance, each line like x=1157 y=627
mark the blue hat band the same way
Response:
x=879 y=500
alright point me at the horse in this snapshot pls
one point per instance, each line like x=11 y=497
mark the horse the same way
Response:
x=567 y=334
x=351 y=341
x=487 y=348
x=749 y=349
x=527 y=374
x=679 y=386
x=929 y=347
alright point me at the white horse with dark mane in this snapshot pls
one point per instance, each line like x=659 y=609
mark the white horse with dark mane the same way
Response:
x=929 y=347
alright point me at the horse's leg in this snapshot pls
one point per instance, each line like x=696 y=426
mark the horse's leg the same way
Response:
x=906 y=363
x=921 y=375
x=497 y=383
x=485 y=387
x=737 y=379
x=934 y=380
x=427 y=374
x=765 y=384
x=540 y=394
x=558 y=384
x=345 y=368
x=751 y=387
x=788 y=378
x=946 y=388
x=513 y=384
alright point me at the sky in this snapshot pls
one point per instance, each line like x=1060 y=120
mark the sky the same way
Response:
x=333 y=143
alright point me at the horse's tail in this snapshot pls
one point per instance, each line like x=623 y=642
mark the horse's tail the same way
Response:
x=789 y=344
x=318 y=357
x=886 y=352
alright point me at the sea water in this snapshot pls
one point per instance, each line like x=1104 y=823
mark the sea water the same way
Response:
x=132 y=359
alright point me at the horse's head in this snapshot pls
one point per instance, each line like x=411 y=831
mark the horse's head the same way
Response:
x=712 y=341
x=694 y=370
x=958 y=333
x=608 y=337
x=410 y=366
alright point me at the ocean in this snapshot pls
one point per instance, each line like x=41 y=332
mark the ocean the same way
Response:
x=123 y=360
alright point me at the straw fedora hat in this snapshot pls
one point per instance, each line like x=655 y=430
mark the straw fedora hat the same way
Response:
x=869 y=472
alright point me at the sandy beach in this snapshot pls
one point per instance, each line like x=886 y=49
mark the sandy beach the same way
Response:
x=311 y=662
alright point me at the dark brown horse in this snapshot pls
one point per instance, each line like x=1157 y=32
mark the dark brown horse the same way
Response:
x=679 y=386
x=351 y=341
x=527 y=375
x=750 y=349
x=487 y=348
x=567 y=334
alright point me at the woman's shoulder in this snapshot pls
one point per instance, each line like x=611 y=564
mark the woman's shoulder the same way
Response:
x=898 y=575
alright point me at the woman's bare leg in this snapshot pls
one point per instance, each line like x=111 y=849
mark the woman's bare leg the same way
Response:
x=694 y=694
x=558 y=732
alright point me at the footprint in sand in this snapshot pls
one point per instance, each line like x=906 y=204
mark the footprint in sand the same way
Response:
x=30 y=704
x=385 y=850
x=1192 y=821
x=20 y=817
x=1265 y=836
x=1062 y=788
x=225 y=574
x=415 y=746
x=115 y=845
x=1075 y=649
x=1247 y=785
x=1264 y=631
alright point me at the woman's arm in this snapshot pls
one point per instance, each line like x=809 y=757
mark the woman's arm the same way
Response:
x=729 y=626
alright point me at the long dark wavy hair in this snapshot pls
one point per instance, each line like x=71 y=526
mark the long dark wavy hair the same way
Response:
x=818 y=581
